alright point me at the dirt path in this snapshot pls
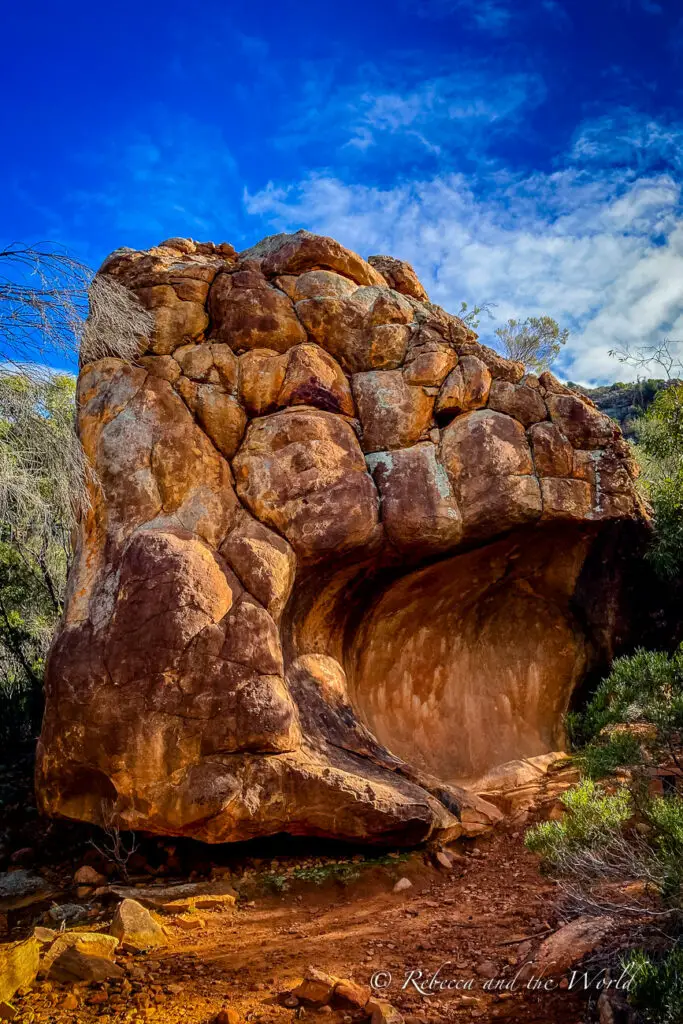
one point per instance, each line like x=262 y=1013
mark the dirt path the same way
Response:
x=468 y=923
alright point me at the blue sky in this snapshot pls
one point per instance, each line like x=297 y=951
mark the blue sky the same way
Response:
x=523 y=152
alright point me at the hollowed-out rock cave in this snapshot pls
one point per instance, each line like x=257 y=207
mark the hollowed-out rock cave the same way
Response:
x=340 y=563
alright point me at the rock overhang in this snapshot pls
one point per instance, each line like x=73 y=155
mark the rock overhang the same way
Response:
x=331 y=565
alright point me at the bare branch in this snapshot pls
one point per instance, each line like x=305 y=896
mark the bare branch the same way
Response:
x=43 y=301
x=666 y=356
x=114 y=847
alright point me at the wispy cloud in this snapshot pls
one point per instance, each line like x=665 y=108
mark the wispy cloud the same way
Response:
x=401 y=108
x=629 y=138
x=600 y=251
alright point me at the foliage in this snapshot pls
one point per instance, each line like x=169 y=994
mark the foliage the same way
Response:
x=472 y=317
x=334 y=871
x=636 y=713
x=42 y=486
x=666 y=553
x=317 y=874
x=645 y=687
x=660 y=432
x=49 y=304
x=665 y=817
x=593 y=818
x=660 y=452
x=600 y=759
x=657 y=988
x=536 y=341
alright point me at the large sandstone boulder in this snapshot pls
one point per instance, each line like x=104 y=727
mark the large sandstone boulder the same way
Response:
x=340 y=559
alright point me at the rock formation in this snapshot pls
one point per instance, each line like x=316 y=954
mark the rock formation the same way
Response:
x=340 y=558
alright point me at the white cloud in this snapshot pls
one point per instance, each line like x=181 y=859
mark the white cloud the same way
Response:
x=440 y=108
x=604 y=255
x=629 y=138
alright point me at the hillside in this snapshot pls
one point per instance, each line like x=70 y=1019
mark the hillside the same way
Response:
x=624 y=402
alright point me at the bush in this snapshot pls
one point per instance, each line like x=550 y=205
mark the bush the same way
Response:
x=600 y=759
x=660 y=453
x=644 y=687
x=666 y=553
x=592 y=821
x=665 y=817
x=657 y=988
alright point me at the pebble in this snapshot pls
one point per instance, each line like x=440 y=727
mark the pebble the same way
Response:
x=228 y=1016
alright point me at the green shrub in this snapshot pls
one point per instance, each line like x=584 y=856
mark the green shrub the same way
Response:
x=599 y=759
x=592 y=820
x=646 y=686
x=657 y=987
x=665 y=817
x=660 y=453
x=666 y=499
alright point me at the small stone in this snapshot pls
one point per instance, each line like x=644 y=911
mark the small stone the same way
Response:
x=382 y=1012
x=188 y=922
x=68 y=913
x=443 y=859
x=228 y=1016
x=403 y=884
x=289 y=1001
x=135 y=928
x=18 y=966
x=73 y=965
x=98 y=999
x=87 y=875
x=21 y=888
x=89 y=943
x=349 y=994
x=572 y=942
x=316 y=988
x=70 y=1001
x=487 y=969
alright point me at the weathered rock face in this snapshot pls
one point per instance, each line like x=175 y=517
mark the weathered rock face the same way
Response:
x=340 y=558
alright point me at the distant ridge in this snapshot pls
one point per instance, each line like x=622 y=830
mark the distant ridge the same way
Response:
x=625 y=402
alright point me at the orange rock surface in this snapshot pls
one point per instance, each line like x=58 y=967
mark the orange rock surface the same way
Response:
x=340 y=558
